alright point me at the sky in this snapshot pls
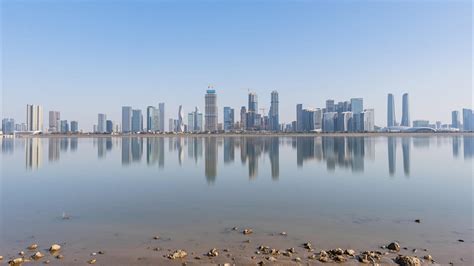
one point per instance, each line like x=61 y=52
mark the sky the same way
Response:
x=88 y=57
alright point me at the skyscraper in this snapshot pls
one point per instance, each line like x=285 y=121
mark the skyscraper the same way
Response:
x=109 y=128
x=330 y=107
x=74 y=127
x=243 y=117
x=210 y=110
x=126 y=119
x=390 y=111
x=455 y=119
x=405 y=112
x=299 y=117
x=228 y=119
x=8 y=125
x=252 y=111
x=369 y=120
x=137 y=121
x=467 y=119
x=357 y=105
x=54 y=117
x=180 y=126
x=150 y=110
x=64 y=126
x=101 y=123
x=34 y=117
x=161 y=108
x=274 y=112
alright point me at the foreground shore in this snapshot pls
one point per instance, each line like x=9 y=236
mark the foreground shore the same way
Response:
x=245 y=247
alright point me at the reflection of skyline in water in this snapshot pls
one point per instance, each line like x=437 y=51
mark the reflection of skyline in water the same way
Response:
x=336 y=152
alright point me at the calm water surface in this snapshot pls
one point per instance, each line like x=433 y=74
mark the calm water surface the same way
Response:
x=359 y=192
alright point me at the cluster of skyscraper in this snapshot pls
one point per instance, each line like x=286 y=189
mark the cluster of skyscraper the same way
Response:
x=347 y=116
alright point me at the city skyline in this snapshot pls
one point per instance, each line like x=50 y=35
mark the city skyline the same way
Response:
x=426 y=52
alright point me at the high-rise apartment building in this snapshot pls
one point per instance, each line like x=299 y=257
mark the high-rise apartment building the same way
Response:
x=455 y=122
x=64 y=127
x=180 y=125
x=405 y=111
x=161 y=110
x=34 y=117
x=8 y=126
x=357 y=105
x=273 y=115
x=299 y=117
x=243 y=117
x=467 y=119
x=137 y=121
x=252 y=111
x=210 y=110
x=330 y=107
x=54 y=118
x=109 y=127
x=126 y=119
x=74 y=127
x=101 y=123
x=369 y=120
x=150 y=110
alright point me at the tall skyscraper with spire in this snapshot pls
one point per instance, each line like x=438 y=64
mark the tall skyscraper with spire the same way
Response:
x=405 y=111
x=390 y=111
x=210 y=111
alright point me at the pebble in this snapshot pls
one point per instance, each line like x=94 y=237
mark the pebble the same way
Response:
x=408 y=261
x=21 y=253
x=92 y=261
x=213 y=253
x=55 y=247
x=394 y=246
x=33 y=246
x=38 y=255
x=16 y=262
x=417 y=221
x=247 y=231
x=297 y=259
x=93 y=254
x=178 y=254
x=46 y=261
x=460 y=240
x=283 y=233
x=235 y=228
x=197 y=258
x=272 y=259
x=156 y=237
x=1 y=257
x=350 y=252
x=312 y=257
x=428 y=258
x=60 y=257
x=101 y=252
x=340 y=258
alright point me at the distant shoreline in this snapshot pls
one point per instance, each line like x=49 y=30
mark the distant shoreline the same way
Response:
x=247 y=134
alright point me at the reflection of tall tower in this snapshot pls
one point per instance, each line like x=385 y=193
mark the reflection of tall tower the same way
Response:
x=274 y=154
x=405 y=112
x=406 y=155
x=53 y=149
x=100 y=147
x=456 y=144
x=126 y=154
x=392 y=142
x=468 y=146
x=211 y=159
x=34 y=153
x=229 y=150
x=73 y=144
x=391 y=111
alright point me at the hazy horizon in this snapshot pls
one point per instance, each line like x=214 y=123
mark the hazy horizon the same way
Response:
x=85 y=57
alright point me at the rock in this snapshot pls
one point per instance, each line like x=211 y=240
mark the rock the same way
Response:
x=60 y=257
x=226 y=250
x=235 y=228
x=339 y=258
x=408 y=261
x=364 y=258
x=46 y=261
x=253 y=257
x=297 y=259
x=93 y=254
x=213 y=253
x=92 y=261
x=16 y=262
x=428 y=257
x=336 y=252
x=286 y=253
x=350 y=252
x=33 y=246
x=156 y=237
x=312 y=257
x=460 y=240
x=417 y=221
x=272 y=259
x=323 y=253
x=323 y=258
x=38 y=255
x=247 y=241
x=1 y=257
x=178 y=254
x=247 y=231
x=101 y=252
x=291 y=250
x=21 y=253
x=283 y=233
x=308 y=245
x=55 y=247
x=414 y=250
x=394 y=246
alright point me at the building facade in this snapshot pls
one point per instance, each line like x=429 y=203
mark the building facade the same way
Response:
x=34 y=117
x=273 y=115
x=126 y=119
x=405 y=111
x=210 y=111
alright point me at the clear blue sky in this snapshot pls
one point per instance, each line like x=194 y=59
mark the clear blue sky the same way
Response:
x=86 y=57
